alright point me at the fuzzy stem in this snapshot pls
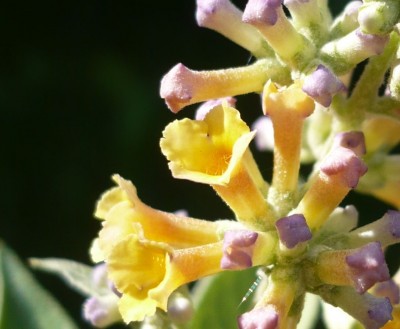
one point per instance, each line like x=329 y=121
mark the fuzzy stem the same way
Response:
x=365 y=93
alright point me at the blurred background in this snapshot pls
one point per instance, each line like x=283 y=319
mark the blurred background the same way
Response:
x=79 y=101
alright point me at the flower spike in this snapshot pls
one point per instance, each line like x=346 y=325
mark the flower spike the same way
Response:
x=294 y=229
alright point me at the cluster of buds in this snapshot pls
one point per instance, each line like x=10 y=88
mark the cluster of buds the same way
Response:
x=296 y=230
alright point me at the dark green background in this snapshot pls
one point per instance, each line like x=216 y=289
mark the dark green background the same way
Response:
x=79 y=101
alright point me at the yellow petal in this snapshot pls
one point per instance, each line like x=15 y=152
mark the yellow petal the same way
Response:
x=135 y=266
x=187 y=265
x=133 y=309
x=95 y=252
x=208 y=155
x=178 y=231
x=218 y=154
x=118 y=225
x=109 y=199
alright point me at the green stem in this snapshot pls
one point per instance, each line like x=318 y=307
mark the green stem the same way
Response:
x=387 y=106
x=365 y=93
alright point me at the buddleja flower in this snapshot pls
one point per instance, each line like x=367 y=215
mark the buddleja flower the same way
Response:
x=294 y=230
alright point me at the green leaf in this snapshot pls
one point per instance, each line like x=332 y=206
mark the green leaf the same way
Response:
x=217 y=299
x=23 y=302
x=77 y=275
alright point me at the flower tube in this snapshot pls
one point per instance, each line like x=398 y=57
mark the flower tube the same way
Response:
x=287 y=108
x=218 y=155
x=222 y=16
x=181 y=86
x=339 y=173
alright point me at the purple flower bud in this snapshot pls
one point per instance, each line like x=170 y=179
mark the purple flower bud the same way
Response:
x=353 y=140
x=206 y=107
x=207 y=11
x=238 y=249
x=292 y=230
x=368 y=266
x=101 y=312
x=265 y=133
x=388 y=289
x=261 y=12
x=322 y=85
x=344 y=162
x=176 y=87
x=259 y=318
x=379 y=313
x=372 y=42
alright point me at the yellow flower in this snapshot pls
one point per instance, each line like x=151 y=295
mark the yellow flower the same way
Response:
x=215 y=151
x=150 y=253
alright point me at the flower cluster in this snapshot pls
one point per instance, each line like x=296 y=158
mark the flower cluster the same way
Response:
x=294 y=229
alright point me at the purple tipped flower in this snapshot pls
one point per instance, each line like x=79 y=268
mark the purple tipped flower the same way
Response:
x=372 y=42
x=238 y=249
x=101 y=311
x=344 y=162
x=292 y=230
x=261 y=12
x=206 y=107
x=379 y=313
x=206 y=9
x=209 y=10
x=353 y=140
x=386 y=230
x=388 y=289
x=259 y=318
x=322 y=85
x=177 y=87
x=368 y=266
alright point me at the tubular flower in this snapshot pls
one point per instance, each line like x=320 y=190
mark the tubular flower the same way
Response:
x=292 y=229
x=150 y=253
x=218 y=155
